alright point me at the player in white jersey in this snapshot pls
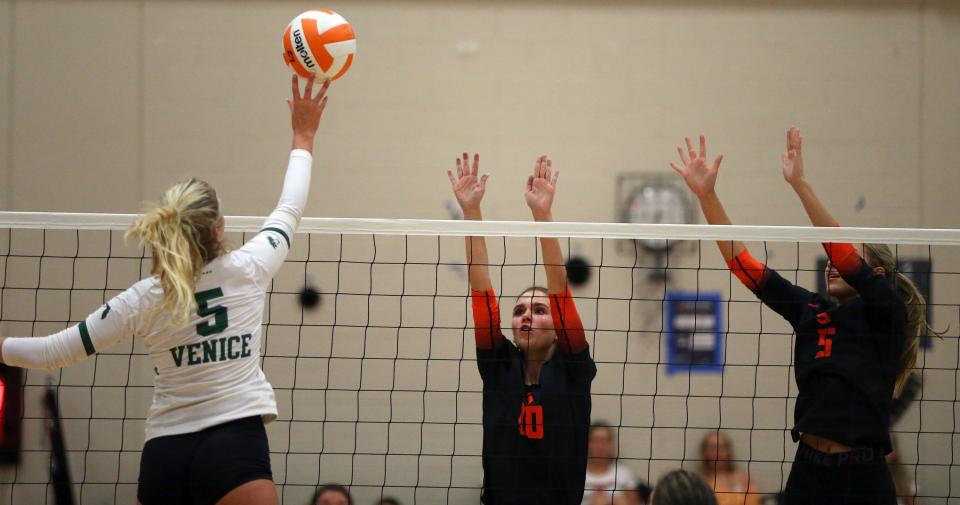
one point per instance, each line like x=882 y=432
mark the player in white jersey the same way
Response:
x=199 y=315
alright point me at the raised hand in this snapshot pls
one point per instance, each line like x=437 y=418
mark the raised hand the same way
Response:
x=793 y=157
x=467 y=187
x=306 y=111
x=700 y=176
x=541 y=187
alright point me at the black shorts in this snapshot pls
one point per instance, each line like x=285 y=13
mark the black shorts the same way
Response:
x=849 y=478
x=202 y=467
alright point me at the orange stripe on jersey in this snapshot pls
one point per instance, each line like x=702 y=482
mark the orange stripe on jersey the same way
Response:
x=486 y=319
x=751 y=272
x=843 y=256
x=290 y=57
x=567 y=323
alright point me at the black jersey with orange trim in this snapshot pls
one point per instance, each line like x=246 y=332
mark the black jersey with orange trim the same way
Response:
x=534 y=436
x=846 y=356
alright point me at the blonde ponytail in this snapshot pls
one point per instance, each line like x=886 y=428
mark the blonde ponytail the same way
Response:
x=880 y=255
x=182 y=235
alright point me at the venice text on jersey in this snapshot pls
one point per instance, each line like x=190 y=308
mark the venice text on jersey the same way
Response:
x=217 y=349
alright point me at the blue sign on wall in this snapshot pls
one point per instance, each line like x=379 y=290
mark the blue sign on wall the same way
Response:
x=694 y=331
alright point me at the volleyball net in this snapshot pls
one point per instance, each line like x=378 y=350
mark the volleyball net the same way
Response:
x=377 y=384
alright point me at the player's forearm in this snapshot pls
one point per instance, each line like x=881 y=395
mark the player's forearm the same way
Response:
x=815 y=209
x=554 y=265
x=477 y=259
x=54 y=351
x=843 y=255
x=552 y=254
x=293 y=197
x=715 y=214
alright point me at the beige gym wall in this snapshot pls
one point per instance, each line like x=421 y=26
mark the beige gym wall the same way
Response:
x=103 y=104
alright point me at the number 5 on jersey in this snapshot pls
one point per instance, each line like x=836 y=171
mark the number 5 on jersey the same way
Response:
x=219 y=312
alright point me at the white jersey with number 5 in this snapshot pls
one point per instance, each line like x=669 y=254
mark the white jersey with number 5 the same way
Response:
x=208 y=371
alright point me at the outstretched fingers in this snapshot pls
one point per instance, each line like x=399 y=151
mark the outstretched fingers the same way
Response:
x=690 y=150
x=296 y=87
x=794 y=140
x=323 y=105
x=308 y=91
x=322 y=95
x=716 y=163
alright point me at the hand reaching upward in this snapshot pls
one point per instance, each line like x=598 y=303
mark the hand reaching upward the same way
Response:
x=306 y=111
x=700 y=176
x=541 y=188
x=467 y=187
x=793 y=157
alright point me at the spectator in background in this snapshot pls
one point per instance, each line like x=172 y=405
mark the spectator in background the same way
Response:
x=682 y=487
x=388 y=501
x=608 y=482
x=332 y=494
x=717 y=467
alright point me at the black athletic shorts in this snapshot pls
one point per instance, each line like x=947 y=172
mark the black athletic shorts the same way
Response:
x=202 y=467
x=850 y=478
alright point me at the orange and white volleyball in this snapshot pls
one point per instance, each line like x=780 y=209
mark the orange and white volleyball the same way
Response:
x=319 y=42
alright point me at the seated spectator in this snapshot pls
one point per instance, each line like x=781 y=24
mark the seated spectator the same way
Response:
x=332 y=494
x=388 y=501
x=608 y=482
x=681 y=487
x=717 y=467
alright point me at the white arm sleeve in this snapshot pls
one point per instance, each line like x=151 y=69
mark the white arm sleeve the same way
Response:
x=293 y=198
x=110 y=323
x=269 y=248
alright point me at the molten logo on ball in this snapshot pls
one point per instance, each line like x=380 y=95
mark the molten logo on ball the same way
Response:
x=319 y=42
x=301 y=50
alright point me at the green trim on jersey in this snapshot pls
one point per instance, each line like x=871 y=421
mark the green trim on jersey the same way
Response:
x=281 y=232
x=85 y=338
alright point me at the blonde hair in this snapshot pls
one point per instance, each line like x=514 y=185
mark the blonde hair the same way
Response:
x=880 y=255
x=181 y=234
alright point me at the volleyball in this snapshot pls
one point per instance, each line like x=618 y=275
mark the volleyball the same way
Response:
x=319 y=42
